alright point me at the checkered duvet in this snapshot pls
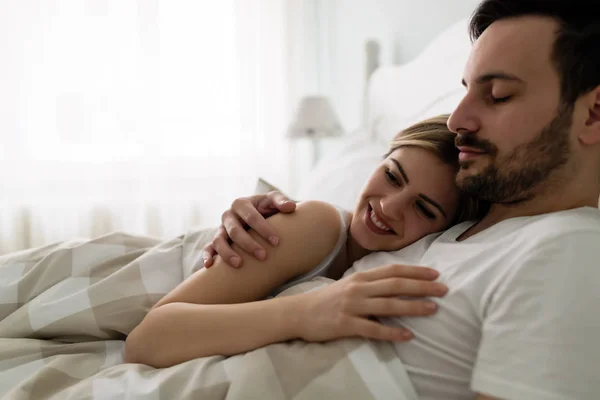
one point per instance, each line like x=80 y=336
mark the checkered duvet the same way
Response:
x=65 y=311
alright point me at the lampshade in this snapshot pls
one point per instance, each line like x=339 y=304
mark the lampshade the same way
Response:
x=314 y=118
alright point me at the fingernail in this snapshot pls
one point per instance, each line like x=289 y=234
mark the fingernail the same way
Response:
x=434 y=274
x=260 y=254
x=274 y=240
x=235 y=261
x=431 y=306
x=441 y=289
x=406 y=335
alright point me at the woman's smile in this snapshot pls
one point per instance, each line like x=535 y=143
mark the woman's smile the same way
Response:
x=375 y=223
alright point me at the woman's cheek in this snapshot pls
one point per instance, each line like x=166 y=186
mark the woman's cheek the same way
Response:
x=420 y=228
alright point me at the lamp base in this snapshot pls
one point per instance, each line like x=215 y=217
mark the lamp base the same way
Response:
x=316 y=151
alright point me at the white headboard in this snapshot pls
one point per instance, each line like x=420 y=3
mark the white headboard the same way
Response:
x=400 y=95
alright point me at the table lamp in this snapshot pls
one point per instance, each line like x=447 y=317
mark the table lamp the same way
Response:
x=314 y=119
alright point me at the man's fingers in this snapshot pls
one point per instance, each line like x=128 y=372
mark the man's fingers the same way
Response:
x=400 y=271
x=221 y=246
x=377 y=331
x=256 y=222
x=403 y=287
x=393 y=307
x=281 y=202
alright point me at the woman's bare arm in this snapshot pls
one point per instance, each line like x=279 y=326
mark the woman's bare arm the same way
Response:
x=179 y=332
x=200 y=317
x=307 y=237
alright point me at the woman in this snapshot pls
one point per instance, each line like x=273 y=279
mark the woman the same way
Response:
x=219 y=311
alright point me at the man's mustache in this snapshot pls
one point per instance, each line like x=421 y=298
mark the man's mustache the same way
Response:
x=472 y=141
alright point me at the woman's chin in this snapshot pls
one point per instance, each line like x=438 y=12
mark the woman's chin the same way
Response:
x=373 y=243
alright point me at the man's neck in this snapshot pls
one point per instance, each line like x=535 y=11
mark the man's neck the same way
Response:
x=543 y=203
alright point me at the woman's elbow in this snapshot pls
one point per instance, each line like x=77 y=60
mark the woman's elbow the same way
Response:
x=139 y=346
x=134 y=345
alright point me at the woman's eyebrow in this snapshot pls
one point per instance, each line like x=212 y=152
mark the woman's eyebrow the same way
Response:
x=433 y=203
x=401 y=170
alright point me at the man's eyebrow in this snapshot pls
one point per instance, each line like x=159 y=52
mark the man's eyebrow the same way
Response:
x=503 y=76
x=433 y=203
x=401 y=170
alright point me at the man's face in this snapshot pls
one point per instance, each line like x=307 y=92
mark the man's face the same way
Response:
x=513 y=132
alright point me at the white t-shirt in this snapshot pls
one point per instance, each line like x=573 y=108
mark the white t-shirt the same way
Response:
x=522 y=317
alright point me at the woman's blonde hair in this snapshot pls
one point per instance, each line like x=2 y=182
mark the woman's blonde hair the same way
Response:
x=433 y=135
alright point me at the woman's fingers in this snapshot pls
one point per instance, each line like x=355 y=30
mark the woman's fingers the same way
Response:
x=279 y=201
x=208 y=254
x=394 y=307
x=223 y=248
x=237 y=233
x=403 y=287
x=247 y=210
x=398 y=270
x=377 y=331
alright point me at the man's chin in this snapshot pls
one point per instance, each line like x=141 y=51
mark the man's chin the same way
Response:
x=466 y=173
x=468 y=164
x=467 y=179
x=473 y=167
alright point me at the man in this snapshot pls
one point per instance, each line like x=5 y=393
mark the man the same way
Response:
x=520 y=320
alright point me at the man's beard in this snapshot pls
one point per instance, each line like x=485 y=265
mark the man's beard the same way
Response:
x=513 y=178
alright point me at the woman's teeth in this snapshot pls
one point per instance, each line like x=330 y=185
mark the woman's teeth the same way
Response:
x=378 y=223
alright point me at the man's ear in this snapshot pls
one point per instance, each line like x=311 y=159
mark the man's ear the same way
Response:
x=591 y=135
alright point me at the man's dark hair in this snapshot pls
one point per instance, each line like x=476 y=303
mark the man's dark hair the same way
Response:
x=576 y=53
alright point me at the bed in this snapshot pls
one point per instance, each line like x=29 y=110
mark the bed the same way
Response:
x=65 y=309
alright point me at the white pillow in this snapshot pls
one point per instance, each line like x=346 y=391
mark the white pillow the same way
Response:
x=388 y=126
x=339 y=178
x=429 y=85
x=264 y=187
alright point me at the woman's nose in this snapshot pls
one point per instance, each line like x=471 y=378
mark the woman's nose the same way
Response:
x=394 y=206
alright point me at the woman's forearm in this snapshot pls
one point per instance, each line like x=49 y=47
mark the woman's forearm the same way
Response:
x=178 y=332
x=215 y=312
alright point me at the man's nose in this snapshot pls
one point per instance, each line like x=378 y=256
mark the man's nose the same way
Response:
x=464 y=119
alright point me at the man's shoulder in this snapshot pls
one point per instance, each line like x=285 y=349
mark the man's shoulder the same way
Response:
x=585 y=220
x=586 y=217
x=559 y=249
x=555 y=240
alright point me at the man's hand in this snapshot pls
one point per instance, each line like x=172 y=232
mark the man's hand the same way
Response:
x=246 y=213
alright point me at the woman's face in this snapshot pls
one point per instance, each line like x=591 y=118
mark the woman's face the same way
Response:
x=410 y=195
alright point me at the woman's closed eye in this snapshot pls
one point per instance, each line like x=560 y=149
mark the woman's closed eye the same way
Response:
x=391 y=178
x=425 y=211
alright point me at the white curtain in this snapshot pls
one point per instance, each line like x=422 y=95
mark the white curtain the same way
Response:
x=147 y=116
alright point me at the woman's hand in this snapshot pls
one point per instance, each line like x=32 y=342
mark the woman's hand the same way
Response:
x=344 y=308
x=246 y=213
